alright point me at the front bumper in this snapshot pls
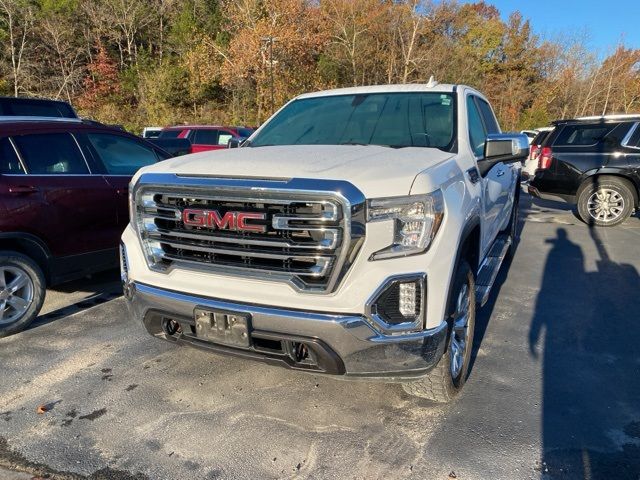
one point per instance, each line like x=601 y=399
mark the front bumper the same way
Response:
x=339 y=344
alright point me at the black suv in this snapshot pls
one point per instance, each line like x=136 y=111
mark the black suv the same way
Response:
x=593 y=162
x=35 y=107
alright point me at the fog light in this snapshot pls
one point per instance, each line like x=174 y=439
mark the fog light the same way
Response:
x=399 y=305
x=408 y=304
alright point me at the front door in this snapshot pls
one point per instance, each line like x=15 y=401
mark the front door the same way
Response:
x=496 y=181
x=118 y=158
x=57 y=198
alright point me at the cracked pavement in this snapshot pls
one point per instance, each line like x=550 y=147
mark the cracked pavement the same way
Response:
x=554 y=390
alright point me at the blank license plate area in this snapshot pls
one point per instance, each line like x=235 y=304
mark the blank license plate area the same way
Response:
x=227 y=328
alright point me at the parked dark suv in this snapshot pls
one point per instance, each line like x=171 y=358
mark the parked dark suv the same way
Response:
x=63 y=205
x=593 y=162
x=38 y=107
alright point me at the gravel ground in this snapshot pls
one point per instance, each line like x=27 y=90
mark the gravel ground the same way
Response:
x=554 y=390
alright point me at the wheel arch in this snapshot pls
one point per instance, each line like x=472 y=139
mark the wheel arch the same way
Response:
x=28 y=245
x=468 y=249
x=593 y=177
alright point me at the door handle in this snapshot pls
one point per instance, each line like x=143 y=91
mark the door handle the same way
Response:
x=500 y=173
x=23 y=189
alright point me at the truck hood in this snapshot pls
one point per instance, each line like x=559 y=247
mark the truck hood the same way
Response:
x=376 y=171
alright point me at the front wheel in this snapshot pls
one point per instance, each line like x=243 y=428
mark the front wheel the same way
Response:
x=447 y=378
x=605 y=202
x=22 y=291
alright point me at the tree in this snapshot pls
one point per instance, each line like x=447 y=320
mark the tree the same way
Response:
x=16 y=23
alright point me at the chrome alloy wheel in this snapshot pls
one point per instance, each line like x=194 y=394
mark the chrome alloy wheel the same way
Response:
x=16 y=294
x=605 y=205
x=459 y=333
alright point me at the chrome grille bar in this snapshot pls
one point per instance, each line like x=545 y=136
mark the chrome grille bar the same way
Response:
x=306 y=236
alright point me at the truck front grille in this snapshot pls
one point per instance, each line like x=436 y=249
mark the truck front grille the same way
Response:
x=302 y=238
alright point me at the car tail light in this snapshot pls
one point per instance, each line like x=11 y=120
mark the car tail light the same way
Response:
x=534 y=151
x=545 y=159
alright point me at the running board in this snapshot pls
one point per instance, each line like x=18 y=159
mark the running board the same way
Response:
x=488 y=271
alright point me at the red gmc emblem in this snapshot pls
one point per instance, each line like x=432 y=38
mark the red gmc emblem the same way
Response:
x=236 y=221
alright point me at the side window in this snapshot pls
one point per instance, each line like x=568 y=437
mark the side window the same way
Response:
x=223 y=138
x=121 y=155
x=51 y=153
x=477 y=133
x=206 y=137
x=9 y=162
x=583 y=135
x=170 y=133
x=487 y=115
x=634 y=141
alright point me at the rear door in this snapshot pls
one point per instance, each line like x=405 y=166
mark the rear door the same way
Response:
x=118 y=157
x=74 y=211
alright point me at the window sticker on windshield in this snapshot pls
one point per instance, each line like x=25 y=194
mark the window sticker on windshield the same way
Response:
x=445 y=100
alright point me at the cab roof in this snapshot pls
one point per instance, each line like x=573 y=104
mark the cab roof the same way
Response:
x=400 y=88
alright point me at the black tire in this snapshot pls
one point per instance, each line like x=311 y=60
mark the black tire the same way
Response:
x=441 y=385
x=615 y=193
x=10 y=263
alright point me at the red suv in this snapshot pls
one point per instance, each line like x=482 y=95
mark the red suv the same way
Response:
x=63 y=205
x=207 y=137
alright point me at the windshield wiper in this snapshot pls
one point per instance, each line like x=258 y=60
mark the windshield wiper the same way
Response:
x=354 y=143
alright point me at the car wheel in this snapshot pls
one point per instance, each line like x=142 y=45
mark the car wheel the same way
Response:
x=22 y=291
x=447 y=378
x=605 y=202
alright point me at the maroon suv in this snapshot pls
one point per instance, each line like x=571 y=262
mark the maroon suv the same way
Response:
x=63 y=205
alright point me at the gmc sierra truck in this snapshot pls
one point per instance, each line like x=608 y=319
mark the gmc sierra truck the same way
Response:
x=353 y=235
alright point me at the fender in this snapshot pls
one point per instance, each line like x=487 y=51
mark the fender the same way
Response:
x=469 y=227
x=27 y=237
x=32 y=246
x=626 y=173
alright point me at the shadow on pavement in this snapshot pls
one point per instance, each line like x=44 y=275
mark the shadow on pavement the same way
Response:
x=586 y=332
x=99 y=288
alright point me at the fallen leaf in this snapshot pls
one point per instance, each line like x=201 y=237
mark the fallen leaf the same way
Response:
x=42 y=409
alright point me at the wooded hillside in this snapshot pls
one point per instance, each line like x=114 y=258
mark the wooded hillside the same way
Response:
x=158 y=62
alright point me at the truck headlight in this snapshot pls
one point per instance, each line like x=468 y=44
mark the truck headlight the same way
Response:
x=416 y=220
x=132 y=208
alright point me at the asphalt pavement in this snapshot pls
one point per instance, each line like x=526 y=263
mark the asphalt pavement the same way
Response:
x=554 y=390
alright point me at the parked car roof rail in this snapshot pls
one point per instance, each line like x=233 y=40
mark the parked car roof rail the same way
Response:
x=8 y=118
x=604 y=118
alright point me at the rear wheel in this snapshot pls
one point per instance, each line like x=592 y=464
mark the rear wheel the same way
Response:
x=606 y=201
x=22 y=291
x=447 y=378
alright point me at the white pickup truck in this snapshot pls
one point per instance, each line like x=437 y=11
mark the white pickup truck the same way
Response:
x=353 y=234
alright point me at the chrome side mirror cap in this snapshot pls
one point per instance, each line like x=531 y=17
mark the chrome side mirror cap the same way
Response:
x=506 y=147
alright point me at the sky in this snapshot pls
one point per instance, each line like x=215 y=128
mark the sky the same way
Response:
x=604 y=23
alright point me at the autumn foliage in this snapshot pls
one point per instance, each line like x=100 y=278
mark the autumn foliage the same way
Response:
x=156 y=62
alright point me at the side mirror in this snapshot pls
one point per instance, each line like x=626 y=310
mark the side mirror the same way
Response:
x=506 y=147
x=233 y=143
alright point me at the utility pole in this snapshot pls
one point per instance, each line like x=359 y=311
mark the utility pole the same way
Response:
x=269 y=44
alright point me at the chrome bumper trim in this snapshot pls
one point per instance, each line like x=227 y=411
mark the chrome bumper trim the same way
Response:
x=364 y=351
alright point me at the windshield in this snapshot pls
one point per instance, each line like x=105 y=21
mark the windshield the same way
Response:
x=415 y=119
